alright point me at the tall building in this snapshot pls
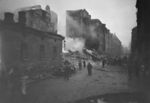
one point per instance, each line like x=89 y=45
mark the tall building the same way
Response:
x=96 y=35
x=141 y=34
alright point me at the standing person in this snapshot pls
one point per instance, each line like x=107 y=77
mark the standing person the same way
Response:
x=24 y=86
x=67 y=70
x=80 y=65
x=84 y=64
x=89 y=68
x=103 y=63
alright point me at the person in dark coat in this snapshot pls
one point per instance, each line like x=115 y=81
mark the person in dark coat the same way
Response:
x=67 y=70
x=89 y=68
x=103 y=62
x=84 y=64
x=80 y=65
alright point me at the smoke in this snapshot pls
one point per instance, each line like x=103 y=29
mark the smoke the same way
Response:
x=92 y=30
x=76 y=30
x=76 y=44
x=92 y=44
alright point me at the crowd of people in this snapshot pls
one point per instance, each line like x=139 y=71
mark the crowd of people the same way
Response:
x=16 y=81
x=70 y=69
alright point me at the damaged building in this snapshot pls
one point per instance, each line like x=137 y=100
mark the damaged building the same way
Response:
x=35 y=15
x=96 y=35
x=30 y=43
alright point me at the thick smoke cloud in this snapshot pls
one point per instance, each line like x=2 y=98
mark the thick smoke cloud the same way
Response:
x=77 y=30
x=76 y=44
x=92 y=43
x=74 y=29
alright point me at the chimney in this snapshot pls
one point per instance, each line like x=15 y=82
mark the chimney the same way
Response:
x=22 y=17
x=9 y=17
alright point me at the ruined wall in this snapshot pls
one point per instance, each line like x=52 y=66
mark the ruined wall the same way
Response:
x=39 y=19
x=80 y=25
x=95 y=34
x=101 y=37
x=108 y=41
x=28 y=48
x=113 y=46
x=54 y=21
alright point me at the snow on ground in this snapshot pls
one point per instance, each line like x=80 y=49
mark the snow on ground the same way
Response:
x=104 y=80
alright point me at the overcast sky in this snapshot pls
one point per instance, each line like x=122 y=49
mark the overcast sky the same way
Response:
x=118 y=15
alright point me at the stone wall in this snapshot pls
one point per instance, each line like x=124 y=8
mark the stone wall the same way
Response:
x=24 y=48
x=39 y=19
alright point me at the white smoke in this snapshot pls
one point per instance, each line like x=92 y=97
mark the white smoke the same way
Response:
x=92 y=31
x=75 y=29
x=76 y=44
x=79 y=30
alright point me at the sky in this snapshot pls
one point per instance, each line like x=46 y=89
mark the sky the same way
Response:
x=118 y=15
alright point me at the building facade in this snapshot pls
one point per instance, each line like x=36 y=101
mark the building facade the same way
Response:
x=140 y=45
x=24 y=47
x=96 y=35
x=32 y=17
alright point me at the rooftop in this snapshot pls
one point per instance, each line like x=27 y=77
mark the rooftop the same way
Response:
x=22 y=28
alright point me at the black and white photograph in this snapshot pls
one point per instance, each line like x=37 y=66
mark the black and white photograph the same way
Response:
x=74 y=51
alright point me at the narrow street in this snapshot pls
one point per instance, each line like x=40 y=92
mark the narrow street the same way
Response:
x=111 y=79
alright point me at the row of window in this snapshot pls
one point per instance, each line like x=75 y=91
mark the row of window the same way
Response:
x=24 y=50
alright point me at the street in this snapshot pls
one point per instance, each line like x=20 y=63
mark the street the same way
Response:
x=111 y=79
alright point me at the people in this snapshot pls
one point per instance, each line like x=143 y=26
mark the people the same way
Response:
x=80 y=65
x=66 y=70
x=89 y=68
x=103 y=62
x=84 y=64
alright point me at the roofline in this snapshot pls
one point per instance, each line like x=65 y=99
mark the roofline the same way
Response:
x=17 y=26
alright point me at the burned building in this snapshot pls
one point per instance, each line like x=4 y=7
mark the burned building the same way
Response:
x=25 y=47
x=80 y=25
x=76 y=23
x=96 y=35
x=33 y=16
x=96 y=39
